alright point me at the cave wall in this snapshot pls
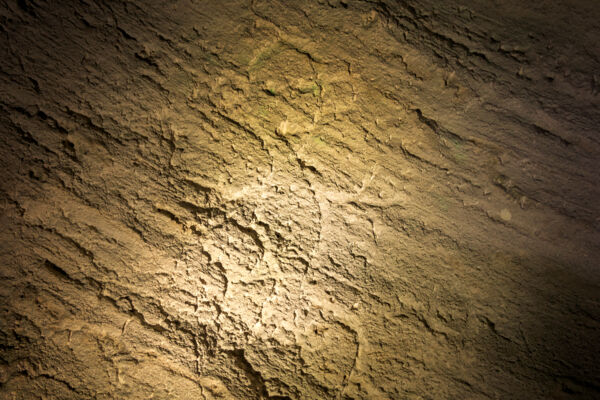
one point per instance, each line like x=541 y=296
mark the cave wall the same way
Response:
x=343 y=199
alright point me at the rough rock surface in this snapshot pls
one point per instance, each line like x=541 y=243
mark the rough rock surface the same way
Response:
x=264 y=199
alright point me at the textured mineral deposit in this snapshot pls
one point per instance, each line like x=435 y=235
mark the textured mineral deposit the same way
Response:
x=277 y=199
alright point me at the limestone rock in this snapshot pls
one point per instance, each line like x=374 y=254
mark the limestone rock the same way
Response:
x=299 y=200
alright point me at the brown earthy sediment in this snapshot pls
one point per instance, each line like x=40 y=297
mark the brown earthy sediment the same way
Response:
x=262 y=199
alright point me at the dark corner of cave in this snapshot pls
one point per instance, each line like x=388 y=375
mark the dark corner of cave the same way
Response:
x=311 y=199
